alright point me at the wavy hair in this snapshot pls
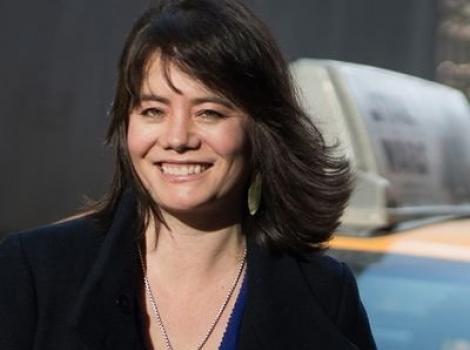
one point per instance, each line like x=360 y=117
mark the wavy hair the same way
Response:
x=227 y=48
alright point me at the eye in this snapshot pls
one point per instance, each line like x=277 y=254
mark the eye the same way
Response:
x=152 y=112
x=210 y=114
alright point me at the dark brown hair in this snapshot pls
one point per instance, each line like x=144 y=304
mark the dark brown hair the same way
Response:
x=223 y=45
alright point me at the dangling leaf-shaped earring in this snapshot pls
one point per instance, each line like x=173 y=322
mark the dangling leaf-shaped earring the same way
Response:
x=254 y=194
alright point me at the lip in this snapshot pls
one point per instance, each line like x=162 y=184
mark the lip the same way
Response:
x=180 y=162
x=182 y=178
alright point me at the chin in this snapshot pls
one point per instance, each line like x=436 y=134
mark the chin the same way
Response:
x=184 y=205
x=197 y=202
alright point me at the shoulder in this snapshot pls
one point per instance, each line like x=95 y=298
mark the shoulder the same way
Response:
x=325 y=266
x=314 y=285
x=48 y=243
x=76 y=230
x=334 y=286
x=51 y=260
x=41 y=271
x=328 y=280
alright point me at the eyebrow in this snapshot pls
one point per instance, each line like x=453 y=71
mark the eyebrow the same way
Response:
x=199 y=100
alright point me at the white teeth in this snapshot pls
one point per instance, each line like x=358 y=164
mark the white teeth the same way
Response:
x=183 y=170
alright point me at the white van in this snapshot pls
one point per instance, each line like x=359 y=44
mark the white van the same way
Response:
x=408 y=140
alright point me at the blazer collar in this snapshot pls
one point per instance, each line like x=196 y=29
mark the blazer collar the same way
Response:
x=281 y=311
x=104 y=315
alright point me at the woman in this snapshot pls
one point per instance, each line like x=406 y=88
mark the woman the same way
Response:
x=223 y=198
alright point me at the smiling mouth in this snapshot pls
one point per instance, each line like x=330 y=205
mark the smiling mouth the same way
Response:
x=183 y=169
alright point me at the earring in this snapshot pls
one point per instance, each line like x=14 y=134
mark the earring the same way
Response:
x=254 y=194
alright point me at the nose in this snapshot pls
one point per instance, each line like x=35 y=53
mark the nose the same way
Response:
x=179 y=135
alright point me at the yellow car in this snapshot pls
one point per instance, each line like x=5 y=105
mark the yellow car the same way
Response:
x=415 y=284
x=406 y=230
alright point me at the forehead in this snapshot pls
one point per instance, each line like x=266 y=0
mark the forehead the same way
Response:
x=163 y=75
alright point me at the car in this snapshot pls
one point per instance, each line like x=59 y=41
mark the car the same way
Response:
x=406 y=230
x=415 y=284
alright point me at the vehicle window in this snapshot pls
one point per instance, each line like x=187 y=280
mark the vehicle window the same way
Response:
x=413 y=302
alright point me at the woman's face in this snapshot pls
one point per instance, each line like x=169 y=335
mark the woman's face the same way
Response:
x=188 y=144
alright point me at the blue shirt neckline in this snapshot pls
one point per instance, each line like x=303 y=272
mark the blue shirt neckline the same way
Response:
x=230 y=338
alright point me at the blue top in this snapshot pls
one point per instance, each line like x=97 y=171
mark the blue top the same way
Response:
x=230 y=339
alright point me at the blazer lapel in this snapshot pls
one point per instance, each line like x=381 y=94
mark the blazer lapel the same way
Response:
x=281 y=312
x=104 y=316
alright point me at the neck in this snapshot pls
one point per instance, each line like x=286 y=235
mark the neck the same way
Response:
x=178 y=249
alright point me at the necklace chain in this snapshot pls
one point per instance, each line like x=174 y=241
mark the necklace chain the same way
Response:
x=153 y=303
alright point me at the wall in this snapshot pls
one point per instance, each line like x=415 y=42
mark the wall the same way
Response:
x=58 y=70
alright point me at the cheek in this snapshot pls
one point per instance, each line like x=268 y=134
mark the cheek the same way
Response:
x=233 y=147
x=139 y=139
x=232 y=142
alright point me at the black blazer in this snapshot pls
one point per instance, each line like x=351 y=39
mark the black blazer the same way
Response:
x=73 y=286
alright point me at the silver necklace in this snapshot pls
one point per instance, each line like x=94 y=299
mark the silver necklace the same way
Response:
x=153 y=303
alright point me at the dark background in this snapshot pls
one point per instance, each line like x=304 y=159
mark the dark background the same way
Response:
x=57 y=71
